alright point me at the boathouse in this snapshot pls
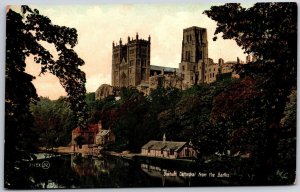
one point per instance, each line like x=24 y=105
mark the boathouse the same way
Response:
x=168 y=149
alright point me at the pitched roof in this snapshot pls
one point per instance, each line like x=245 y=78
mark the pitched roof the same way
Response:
x=164 y=145
x=91 y=128
x=159 y=68
x=103 y=132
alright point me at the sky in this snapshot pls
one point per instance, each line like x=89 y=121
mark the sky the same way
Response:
x=99 y=25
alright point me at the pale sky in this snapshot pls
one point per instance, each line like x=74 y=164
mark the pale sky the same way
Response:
x=99 y=25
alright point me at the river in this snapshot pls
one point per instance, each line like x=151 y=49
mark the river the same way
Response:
x=76 y=171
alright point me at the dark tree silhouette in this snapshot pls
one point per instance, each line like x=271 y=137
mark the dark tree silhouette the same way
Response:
x=23 y=38
x=269 y=31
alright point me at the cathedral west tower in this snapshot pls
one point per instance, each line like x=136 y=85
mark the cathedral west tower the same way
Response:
x=131 y=62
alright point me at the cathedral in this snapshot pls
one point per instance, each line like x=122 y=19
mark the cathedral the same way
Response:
x=131 y=65
x=131 y=61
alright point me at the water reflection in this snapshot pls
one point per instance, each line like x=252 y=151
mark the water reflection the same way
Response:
x=77 y=171
x=158 y=172
x=91 y=166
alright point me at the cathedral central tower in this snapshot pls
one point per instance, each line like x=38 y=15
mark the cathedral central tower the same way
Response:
x=194 y=55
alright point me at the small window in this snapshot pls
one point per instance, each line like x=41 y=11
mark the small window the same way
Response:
x=182 y=68
x=148 y=150
x=161 y=151
x=186 y=55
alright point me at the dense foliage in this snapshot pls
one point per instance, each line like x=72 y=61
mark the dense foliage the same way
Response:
x=25 y=34
x=226 y=138
x=53 y=122
x=181 y=115
x=269 y=32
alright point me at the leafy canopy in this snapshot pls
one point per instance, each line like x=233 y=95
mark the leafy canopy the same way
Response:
x=24 y=37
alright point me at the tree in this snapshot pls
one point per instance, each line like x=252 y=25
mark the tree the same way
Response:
x=24 y=36
x=286 y=165
x=94 y=108
x=53 y=122
x=269 y=32
x=193 y=114
x=128 y=120
x=237 y=109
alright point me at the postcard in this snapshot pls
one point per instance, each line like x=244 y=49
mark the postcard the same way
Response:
x=150 y=95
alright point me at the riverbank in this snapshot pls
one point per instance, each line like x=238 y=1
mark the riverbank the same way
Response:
x=182 y=164
x=85 y=150
x=124 y=154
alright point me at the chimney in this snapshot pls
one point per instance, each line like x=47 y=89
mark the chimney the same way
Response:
x=164 y=138
x=99 y=125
